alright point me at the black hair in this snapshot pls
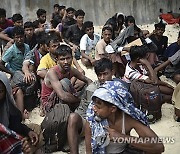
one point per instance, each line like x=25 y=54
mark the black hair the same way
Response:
x=87 y=24
x=107 y=27
x=160 y=25
x=130 y=19
x=56 y=5
x=28 y=24
x=18 y=31
x=79 y=13
x=138 y=52
x=2 y=12
x=36 y=23
x=103 y=64
x=17 y=17
x=40 y=12
x=61 y=7
x=52 y=37
x=41 y=38
x=70 y=9
x=63 y=50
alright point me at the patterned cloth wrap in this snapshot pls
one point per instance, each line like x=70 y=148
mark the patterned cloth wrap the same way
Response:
x=10 y=141
x=117 y=94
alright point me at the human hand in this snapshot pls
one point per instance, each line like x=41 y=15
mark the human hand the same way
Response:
x=34 y=137
x=28 y=77
x=25 y=145
x=144 y=61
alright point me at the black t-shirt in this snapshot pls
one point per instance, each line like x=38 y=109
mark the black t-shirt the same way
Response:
x=74 y=34
x=161 y=44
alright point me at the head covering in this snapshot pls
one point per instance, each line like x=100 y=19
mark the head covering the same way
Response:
x=8 y=101
x=120 y=14
x=116 y=93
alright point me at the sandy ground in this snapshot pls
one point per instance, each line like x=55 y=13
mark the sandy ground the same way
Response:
x=166 y=127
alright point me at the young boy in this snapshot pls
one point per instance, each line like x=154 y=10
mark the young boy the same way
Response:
x=75 y=33
x=88 y=43
x=140 y=68
x=14 y=56
x=30 y=37
x=112 y=115
x=76 y=122
x=53 y=84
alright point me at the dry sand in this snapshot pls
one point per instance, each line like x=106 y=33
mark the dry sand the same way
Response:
x=166 y=127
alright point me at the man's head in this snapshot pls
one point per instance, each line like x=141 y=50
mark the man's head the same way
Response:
x=52 y=42
x=79 y=14
x=2 y=15
x=88 y=28
x=129 y=20
x=41 y=15
x=41 y=41
x=18 y=36
x=64 y=57
x=70 y=12
x=18 y=20
x=28 y=29
x=62 y=10
x=138 y=52
x=104 y=70
x=159 y=28
x=56 y=8
x=107 y=33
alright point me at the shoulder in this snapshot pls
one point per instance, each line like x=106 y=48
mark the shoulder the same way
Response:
x=93 y=86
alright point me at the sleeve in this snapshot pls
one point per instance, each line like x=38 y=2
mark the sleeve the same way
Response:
x=175 y=59
x=43 y=64
x=83 y=42
x=30 y=56
x=8 y=55
x=136 y=75
x=100 y=48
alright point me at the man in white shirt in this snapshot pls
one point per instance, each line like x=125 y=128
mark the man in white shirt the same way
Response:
x=88 y=43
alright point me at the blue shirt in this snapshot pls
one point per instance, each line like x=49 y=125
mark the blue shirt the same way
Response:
x=9 y=31
x=171 y=49
x=14 y=57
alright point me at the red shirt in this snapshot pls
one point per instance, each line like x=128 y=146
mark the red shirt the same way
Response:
x=8 y=23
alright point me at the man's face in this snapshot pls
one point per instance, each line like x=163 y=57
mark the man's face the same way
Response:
x=29 y=32
x=159 y=31
x=101 y=110
x=2 y=19
x=80 y=19
x=19 y=39
x=105 y=76
x=61 y=12
x=90 y=31
x=18 y=23
x=42 y=18
x=107 y=35
x=65 y=62
x=56 y=9
x=53 y=46
x=2 y=91
x=44 y=48
x=70 y=14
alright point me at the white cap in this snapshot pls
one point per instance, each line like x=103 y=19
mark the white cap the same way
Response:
x=109 y=49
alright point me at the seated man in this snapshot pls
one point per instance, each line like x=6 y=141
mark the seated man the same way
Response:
x=140 y=68
x=88 y=43
x=112 y=115
x=172 y=67
x=14 y=56
x=106 y=39
x=53 y=88
x=76 y=121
